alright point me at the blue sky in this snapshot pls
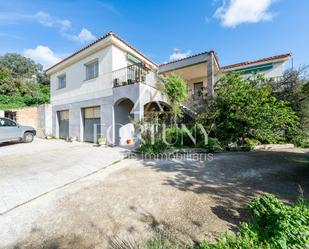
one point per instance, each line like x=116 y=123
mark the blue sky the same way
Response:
x=237 y=30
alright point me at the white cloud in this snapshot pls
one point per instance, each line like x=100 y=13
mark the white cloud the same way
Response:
x=43 y=55
x=244 y=11
x=41 y=17
x=84 y=36
x=177 y=55
x=47 y=20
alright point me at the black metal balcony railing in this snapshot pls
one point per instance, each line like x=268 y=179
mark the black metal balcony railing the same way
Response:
x=132 y=74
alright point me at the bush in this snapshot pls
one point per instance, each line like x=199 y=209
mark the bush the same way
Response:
x=302 y=140
x=273 y=225
x=152 y=148
x=10 y=102
x=38 y=95
x=277 y=224
x=250 y=143
x=177 y=138
x=246 y=108
x=212 y=146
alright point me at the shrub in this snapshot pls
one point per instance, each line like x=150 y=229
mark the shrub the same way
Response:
x=152 y=148
x=212 y=146
x=9 y=102
x=273 y=225
x=176 y=138
x=246 y=108
x=250 y=143
x=279 y=225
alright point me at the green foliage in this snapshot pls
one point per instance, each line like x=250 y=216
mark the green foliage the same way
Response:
x=17 y=88
x=246 y=108
x=176 y=90
x=294 y=88
x=177 y=138
x=273 y=225
x=8 y=85
x=150 y=148
x=250 y=143
x=277 y=224
x=213 y=145
x=22 y=67
x=10 y=102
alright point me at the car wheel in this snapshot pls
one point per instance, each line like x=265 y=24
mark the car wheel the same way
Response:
x=28 y=137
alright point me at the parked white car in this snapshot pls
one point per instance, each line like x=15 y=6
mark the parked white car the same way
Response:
x=11 y=131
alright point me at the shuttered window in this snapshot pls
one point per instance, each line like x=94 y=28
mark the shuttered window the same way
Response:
x=92 y=112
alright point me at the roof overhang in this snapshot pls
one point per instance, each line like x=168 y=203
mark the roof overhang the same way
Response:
x=265 y=61
x=185 y=62
x=99 y=44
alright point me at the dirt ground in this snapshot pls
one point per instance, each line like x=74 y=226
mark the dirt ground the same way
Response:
x=188 y=200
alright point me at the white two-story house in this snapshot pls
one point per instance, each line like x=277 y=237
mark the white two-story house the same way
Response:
x=101 y=88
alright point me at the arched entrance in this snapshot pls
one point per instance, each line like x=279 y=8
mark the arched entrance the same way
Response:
x=124 y=129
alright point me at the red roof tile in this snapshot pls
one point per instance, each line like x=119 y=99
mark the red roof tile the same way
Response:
x=96 y=41
x=245 y=63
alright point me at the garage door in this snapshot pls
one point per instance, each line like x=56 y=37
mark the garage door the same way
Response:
x=63 y=117
x=91 y=120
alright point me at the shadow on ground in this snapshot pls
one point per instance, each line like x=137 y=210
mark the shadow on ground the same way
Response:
x=232 y=179
x=189 y=199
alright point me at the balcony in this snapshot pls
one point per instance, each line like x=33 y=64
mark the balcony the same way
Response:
x=132 y=74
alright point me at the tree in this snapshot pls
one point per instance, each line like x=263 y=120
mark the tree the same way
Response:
x=294 y=88
x=245 y=108
x=21 y=82
x=22 y=68
x=8 y=85
x=176 y=90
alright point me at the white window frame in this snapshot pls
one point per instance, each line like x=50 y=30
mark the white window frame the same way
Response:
x=92 y=74
x=62 y=78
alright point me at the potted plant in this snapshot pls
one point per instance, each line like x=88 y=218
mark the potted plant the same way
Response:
x=130 y=141
x=102 y=140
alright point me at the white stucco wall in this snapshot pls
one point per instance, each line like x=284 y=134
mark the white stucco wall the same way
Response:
x=79 y=89
x=276 y=71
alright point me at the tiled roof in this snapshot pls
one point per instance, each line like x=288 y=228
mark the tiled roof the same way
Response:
x=96 y=41
x=194 y=55
x=245 y=63
x=170 y=62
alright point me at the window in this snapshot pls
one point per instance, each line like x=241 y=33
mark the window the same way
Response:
x=92 y=70
x=6 y=122
x=62 y=82
x=198 y=87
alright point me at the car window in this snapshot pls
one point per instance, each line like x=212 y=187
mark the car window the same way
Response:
x=6 y=122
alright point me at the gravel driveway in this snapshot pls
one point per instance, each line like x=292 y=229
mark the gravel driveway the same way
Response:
x=188 y=200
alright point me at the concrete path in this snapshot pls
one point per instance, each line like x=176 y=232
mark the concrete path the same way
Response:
x=28 y=171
